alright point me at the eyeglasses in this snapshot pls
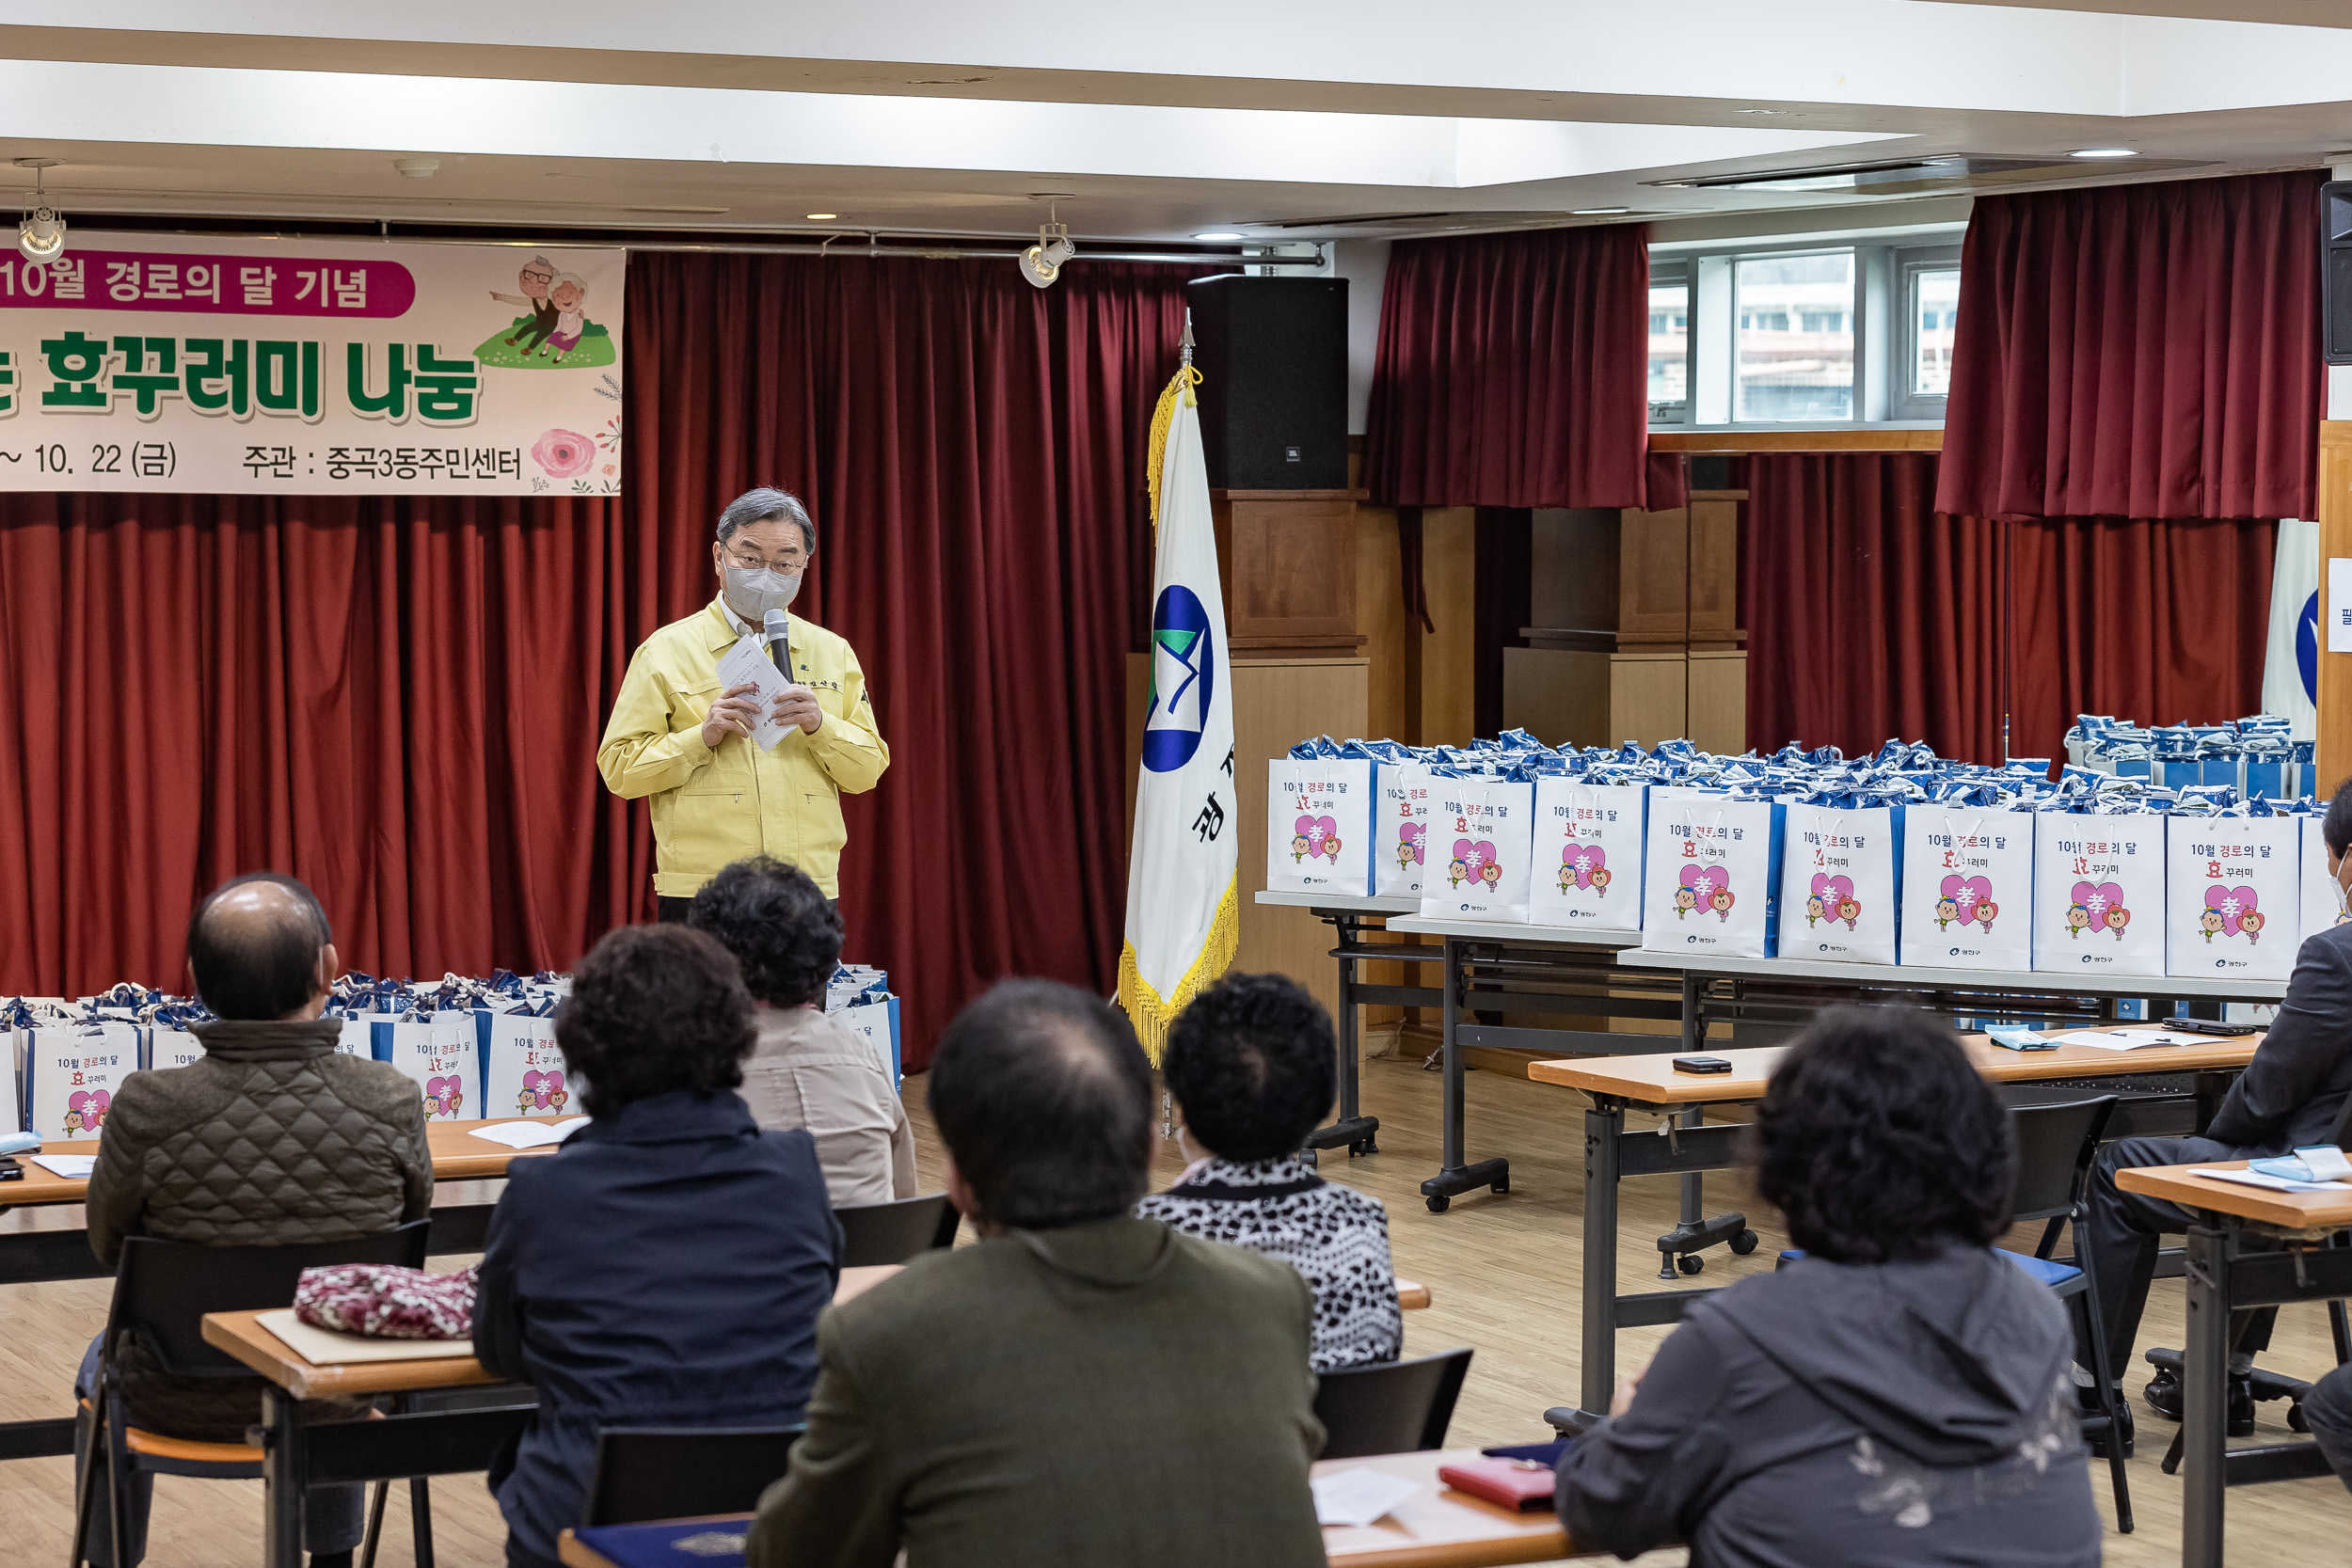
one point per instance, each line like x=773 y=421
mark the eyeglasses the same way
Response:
x=791 y=561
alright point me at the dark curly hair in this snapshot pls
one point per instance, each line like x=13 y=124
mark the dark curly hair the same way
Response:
x=1044 y=1102
x=1252 y=1063
x=784 y=933
x=1880 y=1142
x=655 y=1010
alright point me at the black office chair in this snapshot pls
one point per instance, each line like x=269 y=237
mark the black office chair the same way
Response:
x=162 y=1292
x=684 y=1472
x=875 y=1233
x=1390 y=1406
x=2056 y=1145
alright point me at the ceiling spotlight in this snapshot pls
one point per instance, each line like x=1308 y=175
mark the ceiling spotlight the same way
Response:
x=1042 y=261
x=42 y=234
x=822 y=217
x=1221 y=236
x=418 y=168
x=2105 y=152
x=1599 y=211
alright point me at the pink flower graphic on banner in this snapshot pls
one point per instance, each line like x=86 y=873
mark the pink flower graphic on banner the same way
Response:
x=2234 y=905
x=563 y=453
x=1412 y=844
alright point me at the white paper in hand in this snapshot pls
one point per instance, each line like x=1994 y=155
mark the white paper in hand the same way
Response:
x=747 y=664
x=1357 y=1496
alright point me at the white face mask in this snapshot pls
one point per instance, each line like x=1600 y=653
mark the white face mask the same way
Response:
x=753 y=591
x=2335 y=885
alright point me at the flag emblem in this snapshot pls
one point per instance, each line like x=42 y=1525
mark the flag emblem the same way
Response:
x=1184 y=679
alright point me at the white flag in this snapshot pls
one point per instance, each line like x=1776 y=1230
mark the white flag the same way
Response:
x=2291 y=665
x=1182 y=899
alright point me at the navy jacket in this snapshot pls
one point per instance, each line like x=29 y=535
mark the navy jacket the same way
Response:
x=665 y=1267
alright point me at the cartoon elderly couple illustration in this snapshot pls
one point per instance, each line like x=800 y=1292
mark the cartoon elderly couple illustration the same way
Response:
x=554 y=300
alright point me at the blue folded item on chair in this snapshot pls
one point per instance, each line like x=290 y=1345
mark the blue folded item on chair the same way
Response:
x=2044 y=1270
x=669 y=1543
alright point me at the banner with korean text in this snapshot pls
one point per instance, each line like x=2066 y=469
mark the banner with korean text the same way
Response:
x=311 y=367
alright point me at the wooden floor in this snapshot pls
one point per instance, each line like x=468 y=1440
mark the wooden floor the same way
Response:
x=1504 y=1271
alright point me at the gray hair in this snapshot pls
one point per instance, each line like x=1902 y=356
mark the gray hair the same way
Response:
x=765 y=505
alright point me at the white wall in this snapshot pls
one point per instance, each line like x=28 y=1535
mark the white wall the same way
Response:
x=1365 y=266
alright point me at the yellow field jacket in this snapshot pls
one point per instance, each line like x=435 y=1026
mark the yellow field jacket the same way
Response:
x=711 y=807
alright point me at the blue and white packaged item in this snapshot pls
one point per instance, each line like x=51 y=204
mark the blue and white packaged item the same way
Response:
x=1484 y=829
x=1585 y=866
x=875 y=1019
x=2098 y=890
x=1841 y=870
x=1968 y=885
x=1710 y=876
x=2232 y=896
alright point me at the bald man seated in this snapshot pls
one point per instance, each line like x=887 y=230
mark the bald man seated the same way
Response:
x=270 y=1139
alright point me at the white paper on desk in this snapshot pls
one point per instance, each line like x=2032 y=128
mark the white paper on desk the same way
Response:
x=2128 y=1040
x=2275 y=1183
x=747 y=664
x=530 y=1135
x=1357 y=1496
x=74 y=1167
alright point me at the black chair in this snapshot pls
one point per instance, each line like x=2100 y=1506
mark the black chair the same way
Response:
x=684 y=1472
x=2056 y=1145
x=875 y=1233
x=163 y=1290
x=1390 y=1406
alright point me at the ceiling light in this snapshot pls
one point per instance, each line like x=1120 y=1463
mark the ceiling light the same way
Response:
x=1042 y=261
x=822 y=217
x=1759 y=111
x=1221 y=236
x=418 y=168
x=41 y=234
x=1597 y=212
x=2105 y=152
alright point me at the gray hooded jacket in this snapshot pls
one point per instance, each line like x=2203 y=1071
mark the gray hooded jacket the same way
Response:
x=1850 y=1416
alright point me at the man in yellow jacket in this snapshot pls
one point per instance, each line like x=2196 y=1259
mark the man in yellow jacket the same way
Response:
x=677 y=738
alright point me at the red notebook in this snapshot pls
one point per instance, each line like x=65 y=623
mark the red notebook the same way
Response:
x=1519 y=1485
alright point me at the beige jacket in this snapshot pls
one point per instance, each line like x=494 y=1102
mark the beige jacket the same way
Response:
x=810 y=1071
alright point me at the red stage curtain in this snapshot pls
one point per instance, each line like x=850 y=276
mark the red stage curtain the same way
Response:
x=1869 y=614
x=1513 y=371
x=2159 y=622
x=399 y=699
x=2138 y=351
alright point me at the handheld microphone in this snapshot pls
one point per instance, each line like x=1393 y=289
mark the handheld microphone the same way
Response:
x=777 y=629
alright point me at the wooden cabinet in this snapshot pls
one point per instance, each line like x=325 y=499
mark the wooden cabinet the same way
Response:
x=1288 y=560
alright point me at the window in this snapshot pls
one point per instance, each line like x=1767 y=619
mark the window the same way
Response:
x=1669 y=343
x=1924 y=289
x=1800 y=375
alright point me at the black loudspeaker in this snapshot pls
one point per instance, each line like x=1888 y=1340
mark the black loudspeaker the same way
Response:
x=2335 y=271
x=1272 y=354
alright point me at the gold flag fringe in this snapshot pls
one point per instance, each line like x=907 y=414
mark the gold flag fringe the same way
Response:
x=1152 y=1013
x=1185 y=378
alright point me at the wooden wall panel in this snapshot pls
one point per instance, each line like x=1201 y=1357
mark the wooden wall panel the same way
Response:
x=1277 y=702
x=1448 y=654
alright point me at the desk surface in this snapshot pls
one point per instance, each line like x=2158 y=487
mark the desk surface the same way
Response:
x=2324 y=1211
x=1351 y=903
x=1652 y=1080
x=457 y=1156
x=242 y=1336
x=1435 y=1528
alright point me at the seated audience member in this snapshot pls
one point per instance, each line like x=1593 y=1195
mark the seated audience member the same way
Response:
x=1083 y=1386
x=2329 y=1410
x=808 y=1070
x=272 y=1138
x=666 y=1265
x=1902 y=1393
x=1251 y=1065
x=2293 y=1094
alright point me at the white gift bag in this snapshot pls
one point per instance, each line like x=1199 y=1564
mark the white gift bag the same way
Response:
x=2317 y=889
x=71 y=1074
x=171 y=1048
x=440 y=1053
x=1481 y=832
x=1399 y=838
x=1710 y=874
x=1318 y=818
x=523 y=1071
x=875 y=1019
x=11 y=1107
x=1840 y=871
x=2098 y=893
x=1585 y=869
x=357 y=1039
x=1967 y=895
x=2232 y=896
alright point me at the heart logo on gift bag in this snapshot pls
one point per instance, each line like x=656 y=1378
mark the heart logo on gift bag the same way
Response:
x=1584 y=866
x=2231 y=910
x=443 y=1095
x=2098 y=906
x=1309 y=835
x=1836 y=899
x=86 y=1110
x=1704 y=888
x=1412 y=844
x=1971 y=900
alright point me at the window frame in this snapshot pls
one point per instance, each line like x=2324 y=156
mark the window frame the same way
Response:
x=1855 y=308
x=1669 y=271
x=1907 y=265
